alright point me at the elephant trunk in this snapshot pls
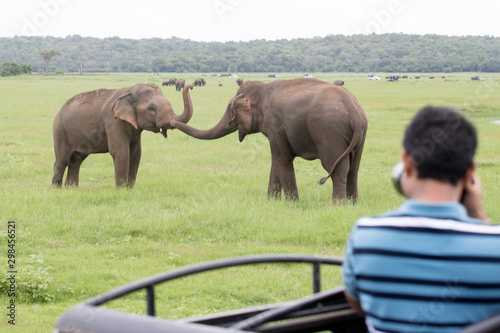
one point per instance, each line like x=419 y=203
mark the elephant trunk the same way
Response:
x=188 y=106
x=218 y=131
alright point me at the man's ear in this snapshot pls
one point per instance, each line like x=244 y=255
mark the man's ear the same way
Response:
x=410 y=174
x=409 y=164
x=470 y=173
x=124 y=110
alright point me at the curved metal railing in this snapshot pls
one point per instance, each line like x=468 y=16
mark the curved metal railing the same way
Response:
x=149 y=283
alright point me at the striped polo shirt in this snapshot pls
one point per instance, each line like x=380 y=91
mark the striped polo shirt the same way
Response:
x=423 y=268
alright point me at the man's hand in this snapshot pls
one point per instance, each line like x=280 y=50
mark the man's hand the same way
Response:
x=355 y=304
x=472 y=198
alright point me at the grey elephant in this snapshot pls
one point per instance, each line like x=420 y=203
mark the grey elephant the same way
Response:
x=301 y=117
x=197 y=83
x=111 y=120
x=172 y=81
x=239 y=81
x=203 y=82
x=179 y=84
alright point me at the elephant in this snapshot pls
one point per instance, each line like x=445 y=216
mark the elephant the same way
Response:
x=309 y=118
x=197 y=83
x=239 y=81
x=165 y=83
x=203 y=82
x=179 y=84
x=339 y=83
x=111 y=120
x=172 y=81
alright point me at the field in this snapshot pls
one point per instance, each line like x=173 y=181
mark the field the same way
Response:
x=197 y=200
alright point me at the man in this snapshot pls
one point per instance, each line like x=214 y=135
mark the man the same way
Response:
x=433 y=265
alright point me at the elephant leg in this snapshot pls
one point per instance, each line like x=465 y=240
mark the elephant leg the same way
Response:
x=135 y=159
x=339 y=179
x=59 y=169
x=121 y=160
x=282 y=166
x=63 y=157
x=352 y=178
x=274 y=188
x=339 y=176
x=352 y=175
x=74 y=168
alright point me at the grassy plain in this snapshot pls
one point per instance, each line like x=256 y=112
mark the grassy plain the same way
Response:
x=197 y=200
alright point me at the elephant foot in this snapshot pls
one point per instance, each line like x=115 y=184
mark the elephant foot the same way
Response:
x=71 y=182
x=353 y=198
x=125 y=183
x=339 y=201
x=345 y=200
x=292 y=196
x=274 y=195
x=274 y=191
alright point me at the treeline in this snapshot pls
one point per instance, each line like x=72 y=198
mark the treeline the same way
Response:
x=11 y=68
x=333 y=53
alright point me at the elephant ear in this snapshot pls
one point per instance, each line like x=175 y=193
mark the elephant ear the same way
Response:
x=124 y=110
x=242 y=115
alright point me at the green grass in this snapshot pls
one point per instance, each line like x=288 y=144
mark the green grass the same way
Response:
x=198 y=200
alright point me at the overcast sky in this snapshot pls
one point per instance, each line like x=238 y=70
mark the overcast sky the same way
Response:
x=243 y=20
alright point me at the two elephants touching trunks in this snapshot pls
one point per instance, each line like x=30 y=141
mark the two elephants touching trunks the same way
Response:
x=111 y=120
x=301 y=117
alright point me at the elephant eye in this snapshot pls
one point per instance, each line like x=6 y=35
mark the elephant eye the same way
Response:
x=152 y=108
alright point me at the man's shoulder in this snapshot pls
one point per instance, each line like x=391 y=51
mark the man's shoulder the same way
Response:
x=453 y=211
x=424 y=222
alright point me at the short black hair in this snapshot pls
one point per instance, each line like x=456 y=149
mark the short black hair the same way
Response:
x=442 y=143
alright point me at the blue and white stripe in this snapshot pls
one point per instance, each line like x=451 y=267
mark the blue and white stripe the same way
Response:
x=421 y=273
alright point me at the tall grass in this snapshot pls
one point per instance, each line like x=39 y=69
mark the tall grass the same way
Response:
x=199 y=200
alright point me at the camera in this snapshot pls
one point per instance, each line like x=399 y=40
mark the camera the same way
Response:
x=396 y=174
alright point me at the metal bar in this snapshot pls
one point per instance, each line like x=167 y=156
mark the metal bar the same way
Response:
x=208 y=266
x=316 y=277
x=150 y=300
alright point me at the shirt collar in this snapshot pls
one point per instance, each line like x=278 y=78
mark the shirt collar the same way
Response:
x=444 y=210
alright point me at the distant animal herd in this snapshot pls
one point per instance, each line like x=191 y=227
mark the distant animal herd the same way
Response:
x=201 y=82
x=397 y=77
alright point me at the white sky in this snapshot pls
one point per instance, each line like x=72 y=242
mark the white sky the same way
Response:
x=243 y=20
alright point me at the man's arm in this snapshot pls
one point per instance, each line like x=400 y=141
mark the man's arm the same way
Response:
x=354 y=303
x=349 y=278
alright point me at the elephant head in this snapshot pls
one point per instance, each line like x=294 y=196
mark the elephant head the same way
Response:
x=145 y=108
x=242 y=114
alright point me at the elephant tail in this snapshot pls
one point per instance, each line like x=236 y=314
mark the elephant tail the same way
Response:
x=357 y=136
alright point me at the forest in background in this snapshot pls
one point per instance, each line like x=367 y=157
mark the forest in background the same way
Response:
x=333 y=53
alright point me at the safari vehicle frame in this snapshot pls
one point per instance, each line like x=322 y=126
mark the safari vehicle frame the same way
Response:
x=321 y=311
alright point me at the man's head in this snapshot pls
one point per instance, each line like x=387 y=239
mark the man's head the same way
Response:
x=441 y=143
